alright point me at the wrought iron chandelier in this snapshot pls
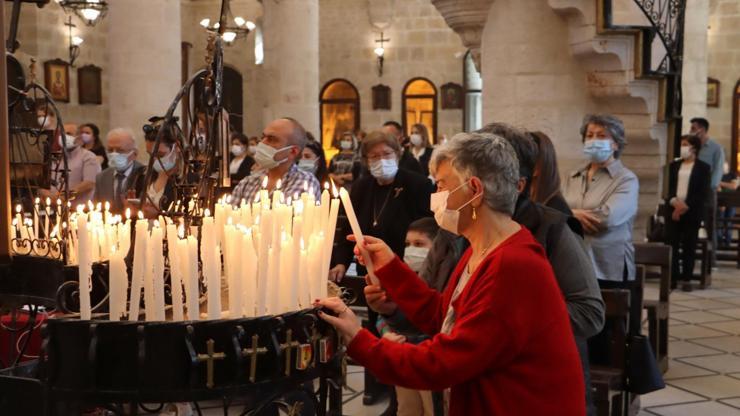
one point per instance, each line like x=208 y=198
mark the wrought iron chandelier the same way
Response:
x=233 y=27
x=90 y=11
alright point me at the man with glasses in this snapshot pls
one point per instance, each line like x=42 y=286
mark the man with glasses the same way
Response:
x=282 y=144
x=125 y=173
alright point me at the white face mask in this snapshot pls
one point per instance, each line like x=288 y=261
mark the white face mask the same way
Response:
x=253 y=149
x=237 y=150
x=384 y=169
x=265 y=156
x=308 y=165
x=726 y=168
x=414 y=257
x=685 y=152
x=120 y=161
x=447 y=219
x=87 y=138
x=416 y=139
x=166 y=163
x=44 y=122
x=345 y=145
x=70 y=142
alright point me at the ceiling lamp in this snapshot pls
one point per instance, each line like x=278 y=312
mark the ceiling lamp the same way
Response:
x=90 y=11
x=233 y=27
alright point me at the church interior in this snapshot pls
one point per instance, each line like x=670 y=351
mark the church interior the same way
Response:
x=541 y=196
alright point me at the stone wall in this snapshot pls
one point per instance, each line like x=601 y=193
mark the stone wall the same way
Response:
x=44 y=37
x=530 y=77
x=724 y=61
x=694 y=75
x=421 y=45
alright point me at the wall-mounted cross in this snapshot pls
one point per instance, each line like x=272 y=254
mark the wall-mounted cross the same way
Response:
x=210 y=357
x=382 y=40
x=253 y=352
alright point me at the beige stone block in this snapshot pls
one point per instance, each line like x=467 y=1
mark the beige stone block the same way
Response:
x=729 y=7
x=417 y=53
x=730 y=23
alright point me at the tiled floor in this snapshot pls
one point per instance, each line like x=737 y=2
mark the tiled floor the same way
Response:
x=704 y=372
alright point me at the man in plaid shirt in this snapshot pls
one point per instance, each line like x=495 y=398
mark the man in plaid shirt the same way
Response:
x=282 y=144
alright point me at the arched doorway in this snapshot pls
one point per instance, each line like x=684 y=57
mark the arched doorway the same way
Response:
x=233 y=97
x=340 y=110
x=419 y=105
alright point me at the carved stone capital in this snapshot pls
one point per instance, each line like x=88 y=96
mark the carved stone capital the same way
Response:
x=467 y=18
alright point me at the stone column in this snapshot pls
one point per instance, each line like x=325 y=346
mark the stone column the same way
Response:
x=467 y=18
x=695 y=61
x=144 y=48
x=291 y=44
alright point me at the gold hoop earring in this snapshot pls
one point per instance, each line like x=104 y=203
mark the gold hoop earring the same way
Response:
x=475 y=216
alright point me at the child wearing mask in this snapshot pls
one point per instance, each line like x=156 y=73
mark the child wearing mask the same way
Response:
x=419 y=239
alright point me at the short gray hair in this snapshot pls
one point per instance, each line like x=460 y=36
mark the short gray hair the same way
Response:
x=488 y=157
x=612 y=124
x=298 y=135
x=122 y=132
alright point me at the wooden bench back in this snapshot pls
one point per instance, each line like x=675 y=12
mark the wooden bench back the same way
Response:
x=656 y=254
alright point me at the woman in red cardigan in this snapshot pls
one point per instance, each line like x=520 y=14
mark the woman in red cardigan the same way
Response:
x=502 y=342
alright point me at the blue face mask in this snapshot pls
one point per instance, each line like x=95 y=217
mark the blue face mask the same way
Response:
x=598 y=150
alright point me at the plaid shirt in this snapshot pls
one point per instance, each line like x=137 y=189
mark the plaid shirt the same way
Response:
x=292 y=184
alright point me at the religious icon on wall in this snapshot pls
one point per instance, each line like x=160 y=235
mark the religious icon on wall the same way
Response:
x=452 y=96
x=89 y=84
x=381 y=97
x=56 y=79
x=712 y=92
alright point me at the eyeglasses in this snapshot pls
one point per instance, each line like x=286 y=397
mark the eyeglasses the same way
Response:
x=374 y=157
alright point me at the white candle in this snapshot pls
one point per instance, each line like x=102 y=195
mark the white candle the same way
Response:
x=118 y=282
x=355 y=225
x=139 y=268
x=209 y=253
x=263 y=258
x=273 y=284
x=231 y=236
x=19 y=221
x=36 y=218
x=85 y=268
x=47 y=209
x=249 y=274
x=331 y=229
x=192 y=288
x=176 y=275
x=304 y=292
x=287 y=266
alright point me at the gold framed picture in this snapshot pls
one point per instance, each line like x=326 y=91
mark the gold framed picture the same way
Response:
x=712 y=92
x=56 y=79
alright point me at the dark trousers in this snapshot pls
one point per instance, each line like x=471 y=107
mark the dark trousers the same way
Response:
x=710 y=223
x=682 y=236
x=726 y=226
x=582 y=344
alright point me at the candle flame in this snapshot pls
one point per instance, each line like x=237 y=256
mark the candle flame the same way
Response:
x=59 y=201
x=289 y=201
x=334 y=190
x=90 y=205
x=141 y=215
x=128 y=213
x=181 y=231
x=207 y=212
x=64 y=225
x=326 y=186
x=18 y=209
x=305 y=186
x=279 y=184
x=229 y=221
x=15 y=222
x=264 y=183
x=37 y=200
x=80 y=209
x=107 y=206
x=228 y=199
x=48 y=201
x=99 y=206
x=69 y=204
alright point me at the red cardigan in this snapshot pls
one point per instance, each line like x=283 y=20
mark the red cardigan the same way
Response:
x=511 y=350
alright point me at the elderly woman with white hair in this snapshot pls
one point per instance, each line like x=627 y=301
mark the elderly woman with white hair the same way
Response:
x=502 y=343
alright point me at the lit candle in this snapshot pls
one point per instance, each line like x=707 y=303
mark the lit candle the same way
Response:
x=304 y=293
x=19 y=221
x=84 y=268
x=140 y=265
x=47 y=209
x=355 y=225
x=233 y=277
x=36 y=218
x=59 y=213
x=118 y=283
x=331 y=228
x=264 y=195
x=273 y=278
x=263 y=258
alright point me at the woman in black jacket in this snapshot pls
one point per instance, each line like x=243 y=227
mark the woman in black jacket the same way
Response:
x=241 y=161
x=689 y=187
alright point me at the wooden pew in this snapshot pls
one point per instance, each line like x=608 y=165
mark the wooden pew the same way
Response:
x=608 y=380
x=656 y=254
